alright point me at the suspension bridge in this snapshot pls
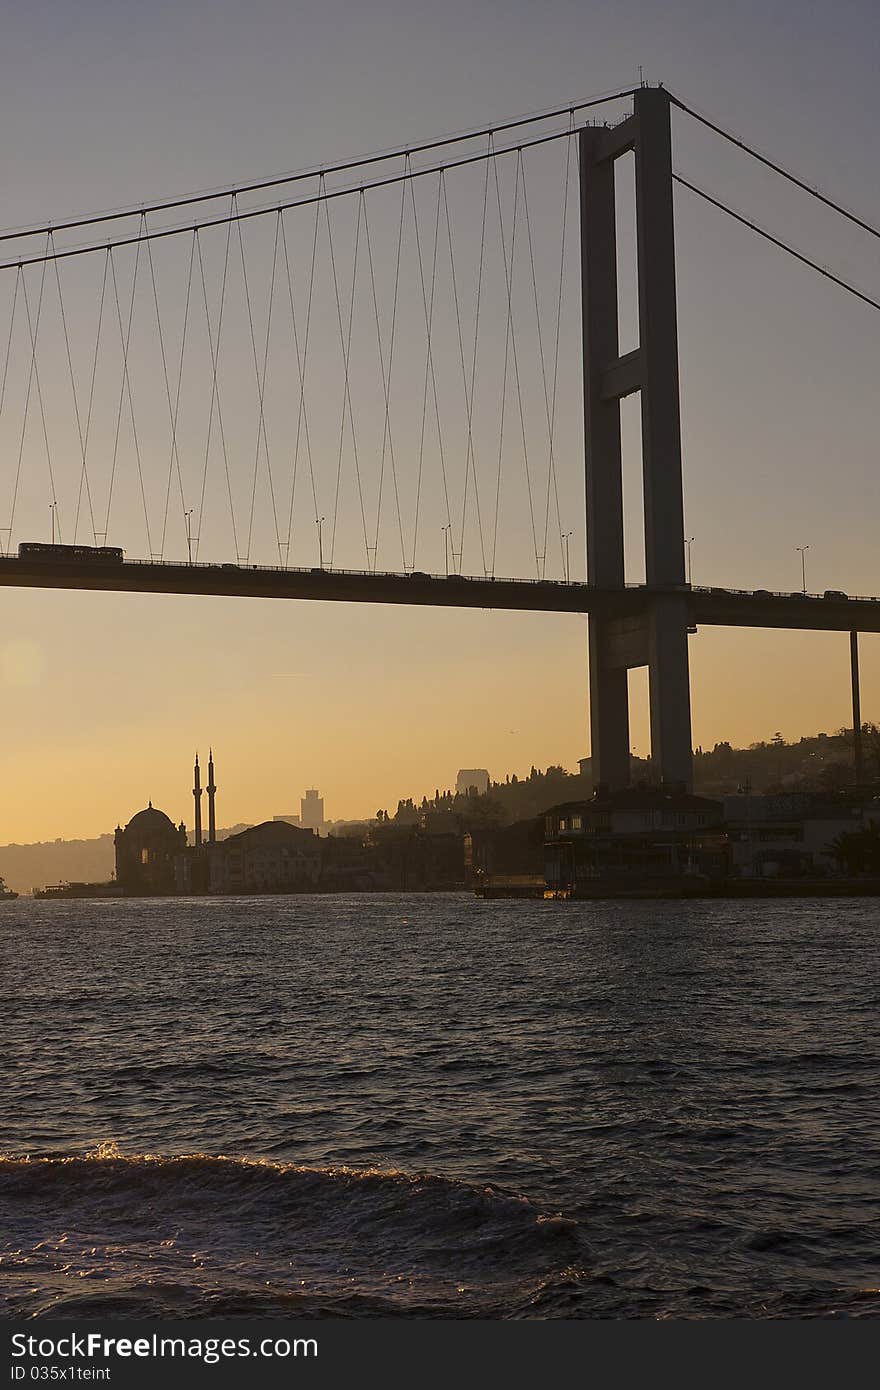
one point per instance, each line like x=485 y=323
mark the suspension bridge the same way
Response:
x=395 y=379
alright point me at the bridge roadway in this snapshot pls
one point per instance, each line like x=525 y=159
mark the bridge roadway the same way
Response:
x=716 y=607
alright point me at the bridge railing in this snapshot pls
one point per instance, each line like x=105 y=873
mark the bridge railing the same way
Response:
x=315 y=570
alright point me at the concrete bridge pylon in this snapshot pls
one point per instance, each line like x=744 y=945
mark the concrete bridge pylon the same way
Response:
x=657 y=636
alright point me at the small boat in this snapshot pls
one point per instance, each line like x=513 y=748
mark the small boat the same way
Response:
x=6 y=894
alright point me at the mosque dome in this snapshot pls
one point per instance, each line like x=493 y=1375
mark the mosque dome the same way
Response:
x=151 y=821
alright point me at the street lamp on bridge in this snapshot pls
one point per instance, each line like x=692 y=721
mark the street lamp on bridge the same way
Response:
x=688 y=543
x=319 y=521
x=803 y=549
x=566 y=537
x=446 y=530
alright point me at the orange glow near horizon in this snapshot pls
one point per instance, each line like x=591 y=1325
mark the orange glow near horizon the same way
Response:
x=367 y=703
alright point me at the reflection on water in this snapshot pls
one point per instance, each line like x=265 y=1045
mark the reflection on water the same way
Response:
x=433 y=1104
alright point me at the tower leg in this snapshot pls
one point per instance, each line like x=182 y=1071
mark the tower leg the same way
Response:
x=609 y=696
x=856 y=707
x=609 y=712
x=669 y=685
x=667 y=617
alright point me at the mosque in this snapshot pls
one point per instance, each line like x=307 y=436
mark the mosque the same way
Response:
x=149 y=849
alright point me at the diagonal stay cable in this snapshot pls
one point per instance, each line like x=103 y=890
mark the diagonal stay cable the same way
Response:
x=468 y=388
x=125 y=338
x=84 y=476
x=302 y=422
x=387 y=439
x=174 y=460
x=261 y=388
x=33 y=330
x=428 y=304
x=345 y=342
x=215 y=391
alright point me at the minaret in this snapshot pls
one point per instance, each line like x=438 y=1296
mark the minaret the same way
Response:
x=211 y=789
x=197 y=797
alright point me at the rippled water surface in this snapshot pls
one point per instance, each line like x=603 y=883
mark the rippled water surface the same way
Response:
x=435 y=1105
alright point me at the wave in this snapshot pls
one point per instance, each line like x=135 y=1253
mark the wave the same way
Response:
x=200 y=1234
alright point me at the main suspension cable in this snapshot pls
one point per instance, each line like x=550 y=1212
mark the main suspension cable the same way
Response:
x=279 y=180
x=268 y=209
x=777 y=168
x=783 y=245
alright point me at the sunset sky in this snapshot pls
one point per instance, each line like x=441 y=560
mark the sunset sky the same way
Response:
x=106 y=697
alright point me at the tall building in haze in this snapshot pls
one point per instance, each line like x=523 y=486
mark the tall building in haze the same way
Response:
x=472 y=779
x=312 y=811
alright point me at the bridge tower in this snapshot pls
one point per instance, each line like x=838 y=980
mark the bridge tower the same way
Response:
x=657 y=637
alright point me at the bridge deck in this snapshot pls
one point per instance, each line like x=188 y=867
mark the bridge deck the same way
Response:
x=715 y=607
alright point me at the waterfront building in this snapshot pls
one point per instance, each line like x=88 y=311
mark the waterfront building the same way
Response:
x=786 y=834
x=273 y=857
x=635 y=833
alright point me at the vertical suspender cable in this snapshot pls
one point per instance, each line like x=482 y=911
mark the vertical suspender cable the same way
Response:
x=345 y=341
x=215 y=389
x=18 y=276
x=84 y=476
x=468 y=390
x=33 y=330
x=387 y=440
x=508 y=271
x=568 y=145
x=429 y=364
x=302 y=422
x=174 y=459
x=551 y=466
x=261 y=387
x=125 y=338
x=88 y=428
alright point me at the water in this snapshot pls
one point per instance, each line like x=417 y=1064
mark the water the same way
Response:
x=406 y=1104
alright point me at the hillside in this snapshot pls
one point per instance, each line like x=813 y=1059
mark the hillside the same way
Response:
x=26 y=867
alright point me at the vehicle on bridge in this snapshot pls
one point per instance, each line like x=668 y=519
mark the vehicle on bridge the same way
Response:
x=95 y=554
x=834 y=593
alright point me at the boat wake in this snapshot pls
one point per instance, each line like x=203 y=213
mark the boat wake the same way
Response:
x=199 y=1235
